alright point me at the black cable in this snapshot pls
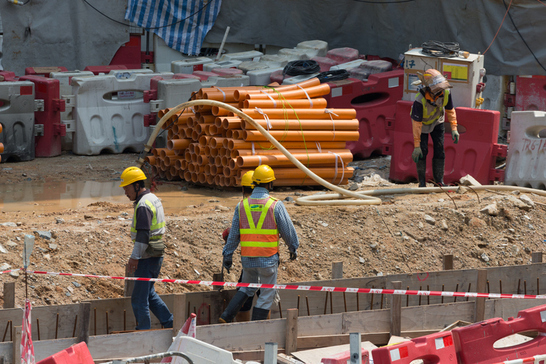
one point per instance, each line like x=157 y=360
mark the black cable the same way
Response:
x=336 y=75
x=304 y=67
x=517 y=30
x=441 y=49
x=154 y=28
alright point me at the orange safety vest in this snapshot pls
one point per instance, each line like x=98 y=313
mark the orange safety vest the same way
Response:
x=261 y=239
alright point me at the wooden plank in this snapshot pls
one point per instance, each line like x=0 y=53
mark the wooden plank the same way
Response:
x=337 y=270
x=448 y=262
x=536 y=257
x=128 y=345
x=396 y=310
x=84 y=315
x=325 y=324
x=291 y=331
x=179 y=312
x=46 y=348
x=9 y=294
x=16 y=343
x=507 y=308
x=479 y=314
x=6 y=350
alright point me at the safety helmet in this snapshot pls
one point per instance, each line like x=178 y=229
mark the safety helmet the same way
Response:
x=434 y=80
x=263 y=174
x=246 y=180
x=131 y=175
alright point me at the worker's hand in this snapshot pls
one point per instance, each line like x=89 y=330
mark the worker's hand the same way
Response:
x=293 y=255
x=455 y=136
x=132 y=265
x=227 y=263
x=417 y=153
x=225 y=234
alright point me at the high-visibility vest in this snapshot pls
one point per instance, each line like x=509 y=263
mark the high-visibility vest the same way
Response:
x=157 y=229
x=431 y=113
x=261 y=239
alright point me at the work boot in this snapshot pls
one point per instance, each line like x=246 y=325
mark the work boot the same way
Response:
x=233 y=307
x=438 y=171
x=422 y=172
x=259 y=314
x=242 y=316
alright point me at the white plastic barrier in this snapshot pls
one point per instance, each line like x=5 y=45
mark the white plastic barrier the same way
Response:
x=242 y=56
x=171 y=93
x=201 y=352
x=298 y=79
x=262 y=77
x=283 y=60
x=233 y=81
x=313 y=48
x=348 y=65
x=17 y=119
x=109 y=112
x=293 y=54
x=189 y=65
x=208 y=67
x=526 y=160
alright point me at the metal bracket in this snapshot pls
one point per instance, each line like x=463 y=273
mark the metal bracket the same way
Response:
x=70 y=125
x=69 y=100
x=38 y=105
x=38 y=129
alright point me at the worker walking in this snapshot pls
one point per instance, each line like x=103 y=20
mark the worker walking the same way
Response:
x=432 y=104
x=147 y=231
x=257 y=223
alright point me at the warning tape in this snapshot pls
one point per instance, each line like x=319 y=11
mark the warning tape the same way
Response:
x=537 y=359
x=403 y=292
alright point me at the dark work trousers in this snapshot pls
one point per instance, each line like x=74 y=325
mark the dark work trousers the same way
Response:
x=437 y=135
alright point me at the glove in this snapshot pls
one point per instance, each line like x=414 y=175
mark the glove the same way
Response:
x=225 y=234
x=455 y=136
x=293 y=255
x=227 y=263
x=417 y=153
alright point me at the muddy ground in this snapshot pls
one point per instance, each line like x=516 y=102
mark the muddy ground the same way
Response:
x=406 y=233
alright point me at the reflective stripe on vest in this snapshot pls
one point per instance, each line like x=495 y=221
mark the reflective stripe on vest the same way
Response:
x=431 y=113
x=262 y=239
x=157 y=228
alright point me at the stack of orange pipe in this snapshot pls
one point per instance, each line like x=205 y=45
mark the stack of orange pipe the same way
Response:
x=211 y=146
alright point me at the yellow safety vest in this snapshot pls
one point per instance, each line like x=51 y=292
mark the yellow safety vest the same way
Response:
x=431 y=113
x=261 y=239
x=157 y=229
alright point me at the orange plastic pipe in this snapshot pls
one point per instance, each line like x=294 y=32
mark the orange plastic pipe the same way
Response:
x=306 y=124
x=227 y=96
x=206 y=119
x=275 y=151
x=219 y=111
x=242 y=93
x=307 y=135
x=297 y=93
x=231 y=122
x=298 y=103
x=306 y=182
x=178 y=143
x=335 y=114
x=150 y=159
x=241 y=144
x=311 y=159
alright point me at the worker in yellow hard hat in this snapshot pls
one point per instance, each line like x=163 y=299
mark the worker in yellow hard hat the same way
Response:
x=257 y=223
x=432 y=105
x=147 y=230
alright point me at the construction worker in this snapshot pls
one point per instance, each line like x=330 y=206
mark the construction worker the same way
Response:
x=432 y=104
x=147 y=231
x=257 y=223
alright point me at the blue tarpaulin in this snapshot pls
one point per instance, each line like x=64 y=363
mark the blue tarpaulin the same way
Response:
x=182 y=24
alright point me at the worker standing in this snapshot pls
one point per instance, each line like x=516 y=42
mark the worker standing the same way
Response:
x=257 y=223
x=432 y=105
x=147 y=231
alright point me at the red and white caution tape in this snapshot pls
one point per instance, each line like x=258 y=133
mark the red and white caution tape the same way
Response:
x=402 y=292
x=537 y=359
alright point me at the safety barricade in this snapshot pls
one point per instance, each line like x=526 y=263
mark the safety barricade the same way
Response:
x=97 y=70
x=76 y=354
x=17 y=119
x=109 y=112
x=526 y=161
x=342 y=55
x=129 y=54
x=475 y=344
x=43 y=71
x=475 y=154
x=47 y=120
x=8 y=76
x=375 y=102
x=432 y=349
x=208 y=67
x=345 y=357
x=242 y=56
x=530 y=93
x=190 y=65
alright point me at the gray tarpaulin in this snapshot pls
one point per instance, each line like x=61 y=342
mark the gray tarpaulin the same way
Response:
x=65 y=33
x=387 y=27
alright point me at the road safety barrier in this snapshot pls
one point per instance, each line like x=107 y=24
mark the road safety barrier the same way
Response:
x=475 y=154
x=47 y=121
x=476 y=343
x=188 y=66
x=526 y=161
x=345 y=357
x=343 y=55
x=435 y=348
x=43 y=71
x=375 y=102
x=530 y=93
x=17 y=120
x=76 y=354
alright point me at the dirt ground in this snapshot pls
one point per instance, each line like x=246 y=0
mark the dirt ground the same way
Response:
x=406 y=233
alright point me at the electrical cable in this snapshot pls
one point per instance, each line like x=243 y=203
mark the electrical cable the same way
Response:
x=304 y=67
x=441 y=49
x=500 y=26
x=335 y=75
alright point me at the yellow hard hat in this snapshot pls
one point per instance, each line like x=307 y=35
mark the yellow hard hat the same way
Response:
x=131 y=175
x=263 y=174
x=246 y=180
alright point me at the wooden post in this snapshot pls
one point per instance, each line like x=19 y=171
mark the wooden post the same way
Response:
x=129 y=285
x=17 y=335
x=537 y=257
x=291 y=331
x=396 y=310
x=448 y=262
x=355 y=340
x=337 y=270
x=479 y=313
x=83 y=323
x=9 y=295
x=179 y=312
x=270 y=353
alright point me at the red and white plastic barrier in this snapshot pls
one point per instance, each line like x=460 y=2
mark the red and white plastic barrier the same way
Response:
x=537 y=359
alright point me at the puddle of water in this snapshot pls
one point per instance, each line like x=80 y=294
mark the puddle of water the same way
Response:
x=58 y=196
